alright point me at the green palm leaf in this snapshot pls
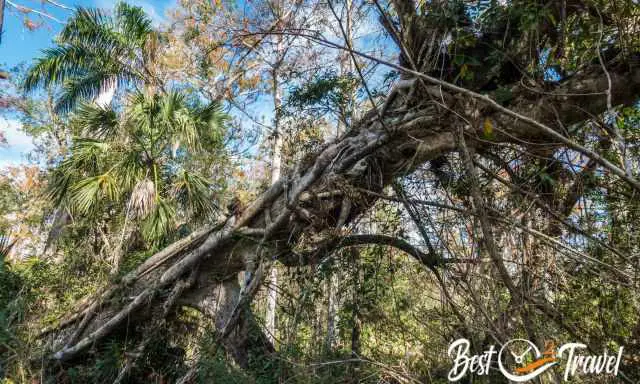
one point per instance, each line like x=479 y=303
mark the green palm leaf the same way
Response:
x=87 y=193
x=130 y=168
x=193 y=191
x=96 y=121
x=86 y=26
x=93 y=47
x=59 y=184
x=211 y=130
x=89 y=155
x=160 y=222
x=5 y=247
x=133 y=22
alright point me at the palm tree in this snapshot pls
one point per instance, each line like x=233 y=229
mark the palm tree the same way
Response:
x=142 y=165
x=95 y=53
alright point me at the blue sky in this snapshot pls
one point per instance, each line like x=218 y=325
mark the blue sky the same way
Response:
x=19 y=44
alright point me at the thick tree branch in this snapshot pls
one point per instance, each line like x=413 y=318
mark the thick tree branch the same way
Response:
x=369 y=157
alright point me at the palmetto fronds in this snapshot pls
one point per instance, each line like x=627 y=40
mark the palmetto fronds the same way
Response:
x=97 y=121
x=193 y=125
x=127 y=163
x=95 y=49
x=87 y=193
x=160 y=222
x=191 y=190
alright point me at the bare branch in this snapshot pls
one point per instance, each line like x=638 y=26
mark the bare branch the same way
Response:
x=24 y=9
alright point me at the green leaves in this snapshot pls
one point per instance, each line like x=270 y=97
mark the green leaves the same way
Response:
x=131 y=167
x=61 y=63
x=211 y=126
x=193 y=191
x=160 y=222
x=132 y=22
x=143 y=163
x=503 y=95
x=169 y=118
x=88 y=193
x=86 y=25
x=328 y=90
x=87 y=154
x=5 y=247
x=87 y=157
x=96 y=121
x=93 y=48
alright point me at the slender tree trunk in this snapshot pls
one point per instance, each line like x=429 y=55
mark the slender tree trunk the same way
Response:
x=276 y=166
x=346 y=68
x=332 y=311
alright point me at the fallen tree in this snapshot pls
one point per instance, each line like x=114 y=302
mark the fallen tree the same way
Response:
x=420 y=121
x=322 y=194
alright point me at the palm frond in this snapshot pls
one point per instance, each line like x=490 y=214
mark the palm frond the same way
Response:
x=214 y=120
x=76 y=89
x=55 y=65
x=93 y=120
x=159 y=223
x=131 y=167
x=88 y=155
x=186 y=128
x=91 y=85
x=193 y=191
x=68 y=61
x=5 y=247
x=87 y=193
x=80 y=88
x=85 y=25
x=93 y=47
x=132 y=22
x=143 y=112
x=171 y=102
x=60 y=181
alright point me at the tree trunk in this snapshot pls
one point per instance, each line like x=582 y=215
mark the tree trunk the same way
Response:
x=276 y=166
x=332 y=311
x=218 y=300
x=354 y=168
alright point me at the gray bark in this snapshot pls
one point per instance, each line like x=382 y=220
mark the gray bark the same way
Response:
x=370 y=156
x=276 y=168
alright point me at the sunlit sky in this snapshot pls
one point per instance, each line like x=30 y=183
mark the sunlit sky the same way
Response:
x=21 y=45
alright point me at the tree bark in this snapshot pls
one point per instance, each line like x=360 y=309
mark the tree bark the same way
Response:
x=276 y=167
x=310 y=200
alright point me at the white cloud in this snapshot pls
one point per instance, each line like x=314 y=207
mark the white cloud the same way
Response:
x=19 y=143
x=15 y=136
